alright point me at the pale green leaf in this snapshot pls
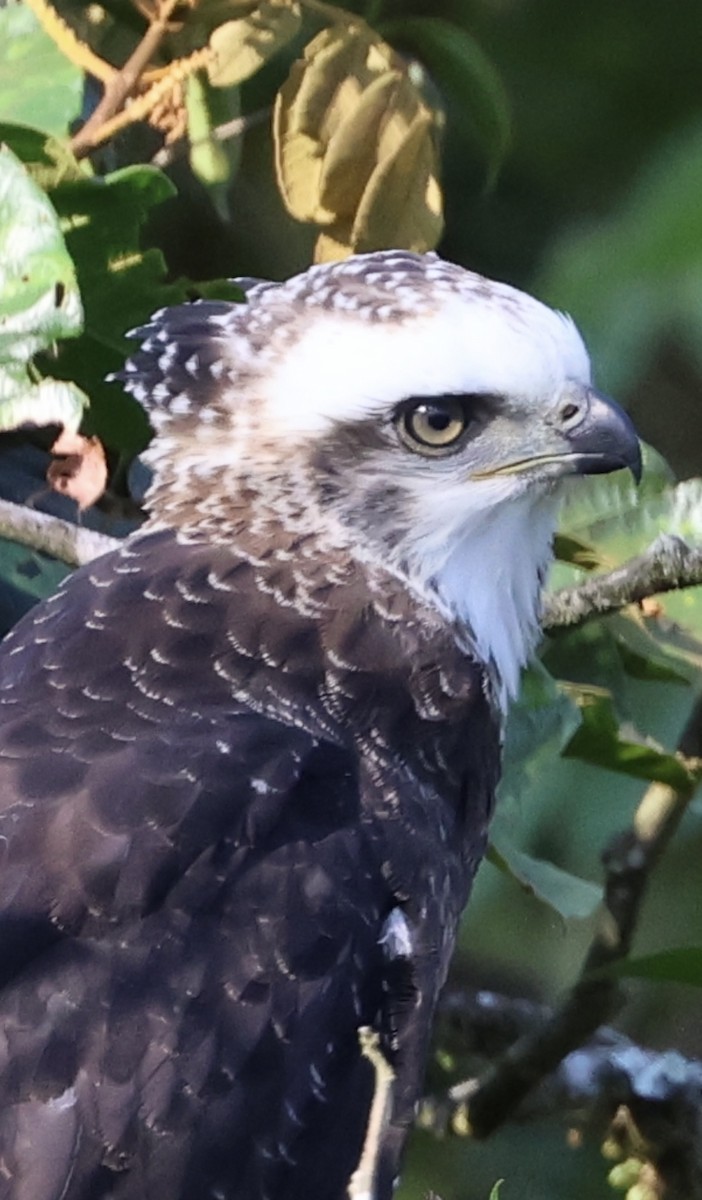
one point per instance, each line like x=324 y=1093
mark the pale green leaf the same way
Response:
x=38 y=84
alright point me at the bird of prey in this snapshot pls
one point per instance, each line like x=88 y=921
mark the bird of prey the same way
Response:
x=248 y=758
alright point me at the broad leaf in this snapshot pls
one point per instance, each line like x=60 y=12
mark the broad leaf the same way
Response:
x=240 y=47
x=38 y=84
x=599 y=741
x=540 y=724
x=566 y=893
x=39 y=302
x=465 y=73
x=355 y=145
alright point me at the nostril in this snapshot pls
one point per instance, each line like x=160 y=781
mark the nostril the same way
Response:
x=569 y=412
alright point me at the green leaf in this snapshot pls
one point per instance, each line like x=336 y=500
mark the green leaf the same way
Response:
x=495 y=1191
x=462 y=69
x=48 y=160
x=645 y=666
x=578 y=553
x=208 y=157
x=39 y=302
x=34 y=575
x=568 y=894
x=218 y=289
x=599 y=501
x=619 y=524
x=598 y=741
x=38 y=84
x=121 y=285
x=541 y=721
x=680 y=965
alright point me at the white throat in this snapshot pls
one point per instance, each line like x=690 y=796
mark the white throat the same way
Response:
x=490 y=580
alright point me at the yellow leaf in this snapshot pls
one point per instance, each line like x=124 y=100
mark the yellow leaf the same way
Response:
x=402 y=204
x=308 y=107
x=353 y=148
x=355 y=145
x=334 y=244
x=241 y=46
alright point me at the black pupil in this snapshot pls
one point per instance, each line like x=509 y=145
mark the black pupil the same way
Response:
x=439 y=419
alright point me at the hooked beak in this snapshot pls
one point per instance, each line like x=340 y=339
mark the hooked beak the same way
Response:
x=594 y=436
x=604 y=439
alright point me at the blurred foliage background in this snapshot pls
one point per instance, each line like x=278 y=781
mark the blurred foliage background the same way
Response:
x=568 y=142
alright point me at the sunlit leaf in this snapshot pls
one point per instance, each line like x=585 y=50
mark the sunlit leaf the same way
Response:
x=207 y=157
x=620 y=523
x=356 y=146
x=240 y=47
x=461 y=69
x=39 y=298
x=38 y=84
x=39 y=302
x=402 y=203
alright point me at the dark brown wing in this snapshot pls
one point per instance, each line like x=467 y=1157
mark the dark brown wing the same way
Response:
x=200 y=854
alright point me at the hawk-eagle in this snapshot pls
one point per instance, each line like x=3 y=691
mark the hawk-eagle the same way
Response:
x=248 y=759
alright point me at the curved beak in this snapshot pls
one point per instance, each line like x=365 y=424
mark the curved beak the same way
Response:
x=603 y=439
x=585 y=434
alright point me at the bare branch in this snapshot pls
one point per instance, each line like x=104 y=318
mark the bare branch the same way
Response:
x=122 y=84
x=235 y=128
x=668 y=564
x=650 y=1102
x=63 y=540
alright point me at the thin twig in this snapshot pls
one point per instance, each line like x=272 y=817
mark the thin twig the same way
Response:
x=668 y=564
x=648 y=1101
x=120 y=87
x=220 y=133
x=68 y=543
x=74 y=49
x=139 y=109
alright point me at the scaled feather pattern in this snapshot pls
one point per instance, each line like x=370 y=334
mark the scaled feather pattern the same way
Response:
x=248 y=759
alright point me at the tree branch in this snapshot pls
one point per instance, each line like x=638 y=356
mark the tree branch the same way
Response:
x=668 y=564
x=651 y=1101
x=72 y=544
x=120 y=86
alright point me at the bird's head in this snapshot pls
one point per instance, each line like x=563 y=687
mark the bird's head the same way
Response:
x=401 y=407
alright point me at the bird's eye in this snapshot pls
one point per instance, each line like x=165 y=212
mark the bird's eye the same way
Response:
x=433 y=427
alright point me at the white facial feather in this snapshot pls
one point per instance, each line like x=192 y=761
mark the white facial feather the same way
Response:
x=344 y=368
